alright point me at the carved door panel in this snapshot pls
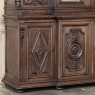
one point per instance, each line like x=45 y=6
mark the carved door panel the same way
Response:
x=35 y=3
x=75 y=50
x=40 y=52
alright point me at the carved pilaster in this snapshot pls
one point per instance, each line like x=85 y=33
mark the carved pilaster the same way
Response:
x=21 y=34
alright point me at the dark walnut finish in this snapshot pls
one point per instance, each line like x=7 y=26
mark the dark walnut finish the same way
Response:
x=49 y=43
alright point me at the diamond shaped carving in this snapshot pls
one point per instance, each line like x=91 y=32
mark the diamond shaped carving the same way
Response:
x=40 y=51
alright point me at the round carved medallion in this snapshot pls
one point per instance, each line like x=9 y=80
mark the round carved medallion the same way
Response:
x=74 y=50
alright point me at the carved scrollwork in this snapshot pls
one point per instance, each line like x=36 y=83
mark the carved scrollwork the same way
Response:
x=74 y=50
x=21 y=34
x=36 y=2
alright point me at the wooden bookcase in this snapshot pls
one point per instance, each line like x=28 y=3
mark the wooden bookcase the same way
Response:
x=49 y=43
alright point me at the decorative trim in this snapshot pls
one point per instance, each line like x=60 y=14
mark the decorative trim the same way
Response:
x=73 y=10
x=21 y=34
x=59 y=16
x=35 y=2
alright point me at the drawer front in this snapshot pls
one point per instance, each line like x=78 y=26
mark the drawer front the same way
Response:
x=75 y=59
x=35 y=3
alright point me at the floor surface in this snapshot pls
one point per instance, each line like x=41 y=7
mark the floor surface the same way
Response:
x=88 y=89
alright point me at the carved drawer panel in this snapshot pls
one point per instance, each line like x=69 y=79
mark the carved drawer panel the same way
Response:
x=76 y=45
x=35 y=3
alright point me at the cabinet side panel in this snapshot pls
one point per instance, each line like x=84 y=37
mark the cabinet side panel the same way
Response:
x=12 y=52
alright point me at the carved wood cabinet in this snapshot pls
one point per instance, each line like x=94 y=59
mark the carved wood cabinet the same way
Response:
x=49 y=43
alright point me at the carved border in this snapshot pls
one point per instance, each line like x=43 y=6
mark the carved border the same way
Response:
x=73 y=10
x=58 y=17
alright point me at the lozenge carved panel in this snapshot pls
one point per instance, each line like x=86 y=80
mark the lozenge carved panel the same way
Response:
x=40 y=51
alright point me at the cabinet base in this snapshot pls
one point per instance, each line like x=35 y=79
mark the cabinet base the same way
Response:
x=25 y=85
x=19 y=86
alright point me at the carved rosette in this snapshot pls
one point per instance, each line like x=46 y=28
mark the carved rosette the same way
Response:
x=40 y=52
x=35 y=2
x=74 y=50
x=21 y=33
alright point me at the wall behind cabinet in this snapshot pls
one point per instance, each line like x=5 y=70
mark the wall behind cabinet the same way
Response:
x=2 y=41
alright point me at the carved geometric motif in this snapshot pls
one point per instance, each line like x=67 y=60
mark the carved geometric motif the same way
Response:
x=39 y=53
x=74 y=50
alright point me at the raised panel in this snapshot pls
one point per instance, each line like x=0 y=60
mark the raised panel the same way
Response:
x=40 y=52
x=35 y=3
x=76 y=45
x=12 y=52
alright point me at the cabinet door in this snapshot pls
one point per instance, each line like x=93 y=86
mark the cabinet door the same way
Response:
x=35 y=3
x=75 y=48
x=40 y=52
